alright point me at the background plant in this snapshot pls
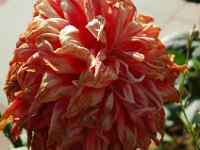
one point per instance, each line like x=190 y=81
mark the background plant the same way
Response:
x=182 y=120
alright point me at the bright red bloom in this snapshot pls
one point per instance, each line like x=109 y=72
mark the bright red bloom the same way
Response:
x=89 y=74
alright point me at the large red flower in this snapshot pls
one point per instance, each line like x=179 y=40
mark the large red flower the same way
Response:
x=91 y=75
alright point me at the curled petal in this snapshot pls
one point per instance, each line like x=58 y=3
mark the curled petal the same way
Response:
x=90 y=98
x=96 y=27
x=43 y=8
x=46 y=93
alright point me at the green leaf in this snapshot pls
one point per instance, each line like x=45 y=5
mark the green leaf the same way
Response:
x=196 y=64
x=158 y=148
x=192 y=108
x=167 y=138
x=179 y=57
x=7 y=133
x=197 y=120
x=20 y=148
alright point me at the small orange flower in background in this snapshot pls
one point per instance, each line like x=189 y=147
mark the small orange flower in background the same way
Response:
x=89 y=74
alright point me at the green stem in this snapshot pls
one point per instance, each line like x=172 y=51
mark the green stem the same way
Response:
x=187 y=124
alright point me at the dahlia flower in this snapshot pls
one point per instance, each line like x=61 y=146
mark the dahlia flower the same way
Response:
x=89 y=75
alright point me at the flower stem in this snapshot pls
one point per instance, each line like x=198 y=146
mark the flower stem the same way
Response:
x=187 y=123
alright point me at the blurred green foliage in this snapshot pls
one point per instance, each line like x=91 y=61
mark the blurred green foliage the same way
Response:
x=195 y=1
x=188 y=112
